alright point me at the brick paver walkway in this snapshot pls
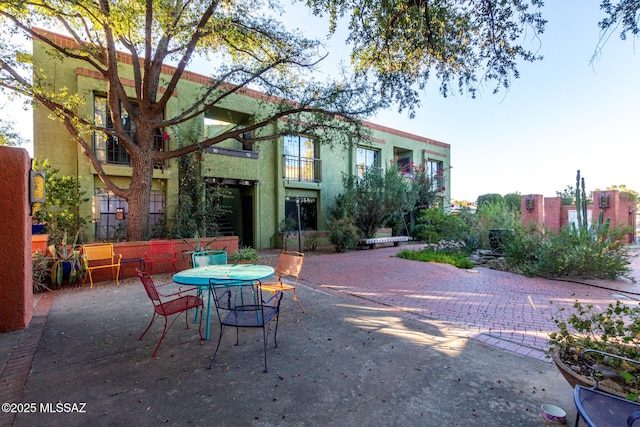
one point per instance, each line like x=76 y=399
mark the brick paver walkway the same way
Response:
x=503 y=309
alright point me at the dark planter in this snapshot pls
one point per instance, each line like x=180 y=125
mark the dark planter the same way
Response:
x=573 y=378
x=37 y=228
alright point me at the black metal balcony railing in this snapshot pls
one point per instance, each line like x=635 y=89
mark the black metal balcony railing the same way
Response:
x=111 y=151
x=298 y=168
x=361 y=170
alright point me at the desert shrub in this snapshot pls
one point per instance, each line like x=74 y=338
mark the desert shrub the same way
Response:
x=513 y=201
x=489 y=198
x=491 y=215
x=435 y=225
x=454 y=257
x=599 y=253
x=344 y=234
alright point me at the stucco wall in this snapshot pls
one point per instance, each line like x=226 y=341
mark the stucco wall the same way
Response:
x=16 y=286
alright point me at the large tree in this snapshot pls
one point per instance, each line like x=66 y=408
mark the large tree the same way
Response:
x=245 y=50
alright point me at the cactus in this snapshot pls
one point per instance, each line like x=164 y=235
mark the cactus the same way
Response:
x=581 y=204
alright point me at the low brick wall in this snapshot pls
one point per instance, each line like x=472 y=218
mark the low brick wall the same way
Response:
x=138 y=249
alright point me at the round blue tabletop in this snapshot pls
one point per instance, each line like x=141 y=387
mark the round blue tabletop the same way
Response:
x=200 y=276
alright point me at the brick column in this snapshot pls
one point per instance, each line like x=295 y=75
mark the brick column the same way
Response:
x=16 y=282
x=553 y=213
x=532 y=210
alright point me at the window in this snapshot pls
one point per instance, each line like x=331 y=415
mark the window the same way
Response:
x=300 y=162
x=434 y=173
x=308 y=211
x=112 y=207
x=367 y=160
x=109 y=149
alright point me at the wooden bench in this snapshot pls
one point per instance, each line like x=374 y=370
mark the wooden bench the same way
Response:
x=100 y=255
x=372 y=242
x=161 y=251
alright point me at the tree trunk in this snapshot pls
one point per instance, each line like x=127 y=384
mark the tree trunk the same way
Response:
x=139 y=194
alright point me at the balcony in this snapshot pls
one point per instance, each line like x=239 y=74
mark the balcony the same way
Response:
x=304 y=169
x=110 y=151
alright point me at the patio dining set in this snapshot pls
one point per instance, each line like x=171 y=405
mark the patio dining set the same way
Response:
x=243 y=295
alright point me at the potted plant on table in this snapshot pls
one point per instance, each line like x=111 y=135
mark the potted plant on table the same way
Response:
x=615 y=330
x=246 y=255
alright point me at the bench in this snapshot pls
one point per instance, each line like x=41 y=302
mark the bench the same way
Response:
x=100 y=255
x=161 y=251
x=598 y=408
x=372 y=242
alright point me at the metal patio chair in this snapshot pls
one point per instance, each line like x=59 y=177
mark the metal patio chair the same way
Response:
x=209 y=257
x=289 y=266
x=167 y=307
x=600 y=409
x=240 y=304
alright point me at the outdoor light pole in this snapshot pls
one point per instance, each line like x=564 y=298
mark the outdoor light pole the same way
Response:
x=299 y=225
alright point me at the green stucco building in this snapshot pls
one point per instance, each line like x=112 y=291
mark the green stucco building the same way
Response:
x=268 y=179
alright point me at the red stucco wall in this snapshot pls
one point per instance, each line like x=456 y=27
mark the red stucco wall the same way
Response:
x=16 y=287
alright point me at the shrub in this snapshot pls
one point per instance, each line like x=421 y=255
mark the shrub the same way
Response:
x=343 y=234
x=435 y=225
x=599 y=254
x=311 y=241
x=61 y=212
x=491 y=215
x=444 y=253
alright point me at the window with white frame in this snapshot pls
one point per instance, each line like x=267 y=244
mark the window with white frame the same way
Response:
x=435 y=174
x=367 y=160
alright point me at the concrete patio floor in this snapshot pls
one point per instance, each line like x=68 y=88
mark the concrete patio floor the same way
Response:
x=385 y=341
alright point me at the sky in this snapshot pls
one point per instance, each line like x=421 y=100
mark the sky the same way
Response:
x=563 y=113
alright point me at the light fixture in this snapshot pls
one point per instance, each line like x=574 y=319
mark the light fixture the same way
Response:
x=530 y=204
x=603 y=201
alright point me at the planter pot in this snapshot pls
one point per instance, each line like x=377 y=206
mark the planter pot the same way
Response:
x=37 y=228
x=574 y=378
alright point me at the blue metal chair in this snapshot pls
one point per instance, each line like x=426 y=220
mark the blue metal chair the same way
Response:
x=241 y=304
x=204 y=258
x=210 y=257
x=600 y=409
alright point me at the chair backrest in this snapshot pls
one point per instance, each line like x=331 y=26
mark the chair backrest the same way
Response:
x=289 y=264
x=242 y=296
x=149 y=286
x=211 y=257
x=98 y=251
x=162 y=249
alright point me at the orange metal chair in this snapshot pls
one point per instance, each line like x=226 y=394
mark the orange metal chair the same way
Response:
x=100 y=255
x=289 y=266
x=166 y=308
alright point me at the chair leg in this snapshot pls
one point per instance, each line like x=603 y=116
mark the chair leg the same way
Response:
x=217 y=346
x=164 y=333
x=265 y=338
x=295 y=297
x=150 y=323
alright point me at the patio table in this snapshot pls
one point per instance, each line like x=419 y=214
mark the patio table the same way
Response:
x=201 y=277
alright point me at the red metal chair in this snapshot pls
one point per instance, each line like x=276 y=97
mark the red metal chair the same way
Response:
x=161 y=251
x=166 y=308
